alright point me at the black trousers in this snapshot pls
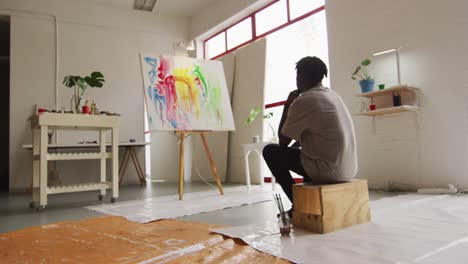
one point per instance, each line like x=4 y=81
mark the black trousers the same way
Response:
x=281 y=160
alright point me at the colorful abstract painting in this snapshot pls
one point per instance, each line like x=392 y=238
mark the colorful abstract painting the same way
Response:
x=186 y=94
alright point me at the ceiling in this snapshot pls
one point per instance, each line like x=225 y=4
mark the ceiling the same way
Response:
x=186 y=8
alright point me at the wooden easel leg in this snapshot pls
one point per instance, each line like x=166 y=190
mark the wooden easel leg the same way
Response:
x=181 y=166
x=138 y=169
x=56 y=174
x=142 y=173
x=123 y=165
x=212 y=164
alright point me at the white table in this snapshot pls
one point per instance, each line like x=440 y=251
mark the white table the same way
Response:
x=41 y=123
x=257 y=148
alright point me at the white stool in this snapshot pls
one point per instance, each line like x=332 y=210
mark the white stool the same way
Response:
x=257 y=148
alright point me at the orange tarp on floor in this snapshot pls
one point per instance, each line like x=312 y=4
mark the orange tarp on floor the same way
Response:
x=113 y=239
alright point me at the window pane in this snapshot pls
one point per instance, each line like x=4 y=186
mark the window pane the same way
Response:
x=239 y=33
x=271 y=17
x=215 y=46
x=307 y=37
x=300 y=7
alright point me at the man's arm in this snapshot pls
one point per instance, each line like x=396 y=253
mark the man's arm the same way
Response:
x=284 y=140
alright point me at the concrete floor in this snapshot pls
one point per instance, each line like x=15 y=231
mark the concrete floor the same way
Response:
x=15 y=213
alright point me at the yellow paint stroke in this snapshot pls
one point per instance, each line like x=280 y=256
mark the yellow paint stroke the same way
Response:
x=185 y=84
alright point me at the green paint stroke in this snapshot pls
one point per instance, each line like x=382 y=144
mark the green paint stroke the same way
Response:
x=214 y=103
x=197 y=72
x=212 y=93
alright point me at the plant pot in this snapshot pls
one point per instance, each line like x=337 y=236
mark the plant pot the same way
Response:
x=367 y=85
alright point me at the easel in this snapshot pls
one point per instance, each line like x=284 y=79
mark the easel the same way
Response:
x=181 y=161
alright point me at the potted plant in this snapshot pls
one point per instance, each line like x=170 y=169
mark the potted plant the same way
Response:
x=80 y=84
x=254 y=112
x=361 y=72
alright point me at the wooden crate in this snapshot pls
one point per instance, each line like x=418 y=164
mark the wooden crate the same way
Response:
x=326 y=208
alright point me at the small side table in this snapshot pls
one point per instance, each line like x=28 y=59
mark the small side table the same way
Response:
x=129 y=152
x=257 y=148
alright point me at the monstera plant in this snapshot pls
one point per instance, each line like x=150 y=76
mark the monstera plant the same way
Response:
x=80 y=84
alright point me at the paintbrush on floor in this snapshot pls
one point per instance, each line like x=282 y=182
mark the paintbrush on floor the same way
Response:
x=285 y=228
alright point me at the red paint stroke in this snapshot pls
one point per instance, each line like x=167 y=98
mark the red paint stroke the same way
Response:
x=163 y=67
x=166 y=88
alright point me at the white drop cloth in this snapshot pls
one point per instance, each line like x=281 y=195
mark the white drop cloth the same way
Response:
x=404 y=229
x=165 y=207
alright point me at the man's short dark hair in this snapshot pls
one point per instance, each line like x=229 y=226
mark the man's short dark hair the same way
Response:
x=312 y=69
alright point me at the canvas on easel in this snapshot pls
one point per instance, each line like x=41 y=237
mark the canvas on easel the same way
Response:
x=187 y=96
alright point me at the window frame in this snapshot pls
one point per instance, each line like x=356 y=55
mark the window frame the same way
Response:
x=253 y=24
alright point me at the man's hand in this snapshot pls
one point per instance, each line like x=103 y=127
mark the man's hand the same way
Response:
x=283 y=140
x=291 y=97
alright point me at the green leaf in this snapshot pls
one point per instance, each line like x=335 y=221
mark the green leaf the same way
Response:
x=71 y=80
x=96 y=79
x=97 y=75
x=82 y=83
x=365 y=62
x=253 y=114
x=354 y=78
x=356 y=70
x=269 y=115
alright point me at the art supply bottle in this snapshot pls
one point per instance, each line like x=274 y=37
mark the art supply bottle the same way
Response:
x=256 y=139
x=85 y=109
x=396 y=99
x=93 y=108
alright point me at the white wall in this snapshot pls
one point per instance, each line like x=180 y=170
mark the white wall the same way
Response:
x=407 y=151
x=90 y=37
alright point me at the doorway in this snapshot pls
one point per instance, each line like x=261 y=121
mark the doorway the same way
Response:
x=4 y=102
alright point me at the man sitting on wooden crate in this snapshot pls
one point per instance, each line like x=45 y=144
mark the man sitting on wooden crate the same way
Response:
x=316 y=117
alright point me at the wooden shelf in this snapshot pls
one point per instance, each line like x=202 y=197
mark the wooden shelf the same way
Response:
x=88 y=145
x=390 y=110
x=78 y=156
x=79 y=187
x=398 y=88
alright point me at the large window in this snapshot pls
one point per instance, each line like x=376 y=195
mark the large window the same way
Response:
x=239 y=33
x=298 y=8
x=260 y=23
x=271 y=17
x=305 y=38
x=216 y=45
